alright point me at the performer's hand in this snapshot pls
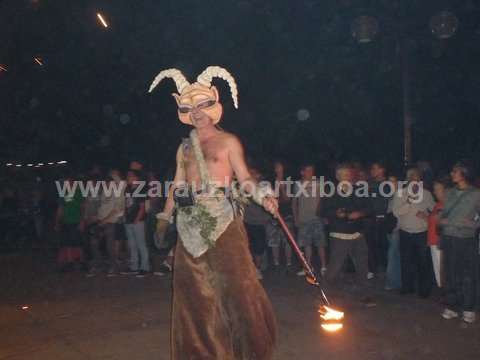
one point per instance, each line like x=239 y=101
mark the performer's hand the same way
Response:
x=162 y=227
x=270 y=204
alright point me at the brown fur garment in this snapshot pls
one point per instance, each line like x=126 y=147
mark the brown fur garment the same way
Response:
x=220 y=310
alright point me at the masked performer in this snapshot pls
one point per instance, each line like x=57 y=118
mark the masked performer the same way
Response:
x=220 y=310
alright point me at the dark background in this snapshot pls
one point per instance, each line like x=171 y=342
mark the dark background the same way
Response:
x=285 y=55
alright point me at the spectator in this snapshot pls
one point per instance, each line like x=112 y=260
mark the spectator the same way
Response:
x=412 y=205
x=68 y=221
x=439 y=190
x=110 y=213
x=306 y=208
x=393 y=274
x=275 y=235
x=135 y=225
x=459 y=222
x=135 y=165
x=153 y=205
x=255 y=219
x=345 y=212
x=376 y=236
x=92 y=230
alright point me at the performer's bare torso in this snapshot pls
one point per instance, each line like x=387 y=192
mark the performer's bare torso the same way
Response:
x=216 y=151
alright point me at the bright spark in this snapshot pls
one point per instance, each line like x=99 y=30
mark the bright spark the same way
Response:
x=3 y=68
x=102 y=20
x=38 y=60
x=332 y=327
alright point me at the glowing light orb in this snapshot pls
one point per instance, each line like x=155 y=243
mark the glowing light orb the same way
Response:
x=124 y=119
x=303 y=115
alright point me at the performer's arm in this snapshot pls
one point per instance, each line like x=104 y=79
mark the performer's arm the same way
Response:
x=247 y=182
x=179 y=179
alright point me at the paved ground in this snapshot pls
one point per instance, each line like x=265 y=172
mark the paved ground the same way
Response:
x=72 y=317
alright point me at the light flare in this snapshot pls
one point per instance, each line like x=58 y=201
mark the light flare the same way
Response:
x=102 y=20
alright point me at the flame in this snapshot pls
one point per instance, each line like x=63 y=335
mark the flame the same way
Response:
x=327 y=313
x=332 y=319
x=332 y=327
x=25 y=307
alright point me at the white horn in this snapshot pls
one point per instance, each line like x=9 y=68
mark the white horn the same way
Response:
x=176 y=75
x=205 y=78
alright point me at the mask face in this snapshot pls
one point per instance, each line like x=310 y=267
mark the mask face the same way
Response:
x=197 y=97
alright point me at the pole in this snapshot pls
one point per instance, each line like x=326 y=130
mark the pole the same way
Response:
x=310 y=273
x=407 y=115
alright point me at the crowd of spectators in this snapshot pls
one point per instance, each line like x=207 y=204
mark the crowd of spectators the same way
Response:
x=421 y=241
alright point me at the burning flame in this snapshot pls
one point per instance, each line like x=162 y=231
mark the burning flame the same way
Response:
x=332 y=327
x=327 y=313
x=332 y=319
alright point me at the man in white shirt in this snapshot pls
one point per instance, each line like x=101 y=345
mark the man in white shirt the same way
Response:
x=411 y=205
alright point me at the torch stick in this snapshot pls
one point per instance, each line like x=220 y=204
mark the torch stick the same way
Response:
x=310 y=273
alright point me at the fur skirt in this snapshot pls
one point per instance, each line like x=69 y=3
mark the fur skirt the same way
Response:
x=220 y=309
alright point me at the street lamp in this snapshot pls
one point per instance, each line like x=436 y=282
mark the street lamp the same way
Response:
x=443 y=25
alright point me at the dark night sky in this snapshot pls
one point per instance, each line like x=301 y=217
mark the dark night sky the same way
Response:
x=285 y=55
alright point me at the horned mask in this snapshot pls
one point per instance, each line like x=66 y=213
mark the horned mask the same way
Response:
x=201 y=95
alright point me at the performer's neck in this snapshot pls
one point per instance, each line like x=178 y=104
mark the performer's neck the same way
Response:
x=207 y=132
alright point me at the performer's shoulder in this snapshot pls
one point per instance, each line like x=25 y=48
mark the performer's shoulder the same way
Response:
x=230 y=138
